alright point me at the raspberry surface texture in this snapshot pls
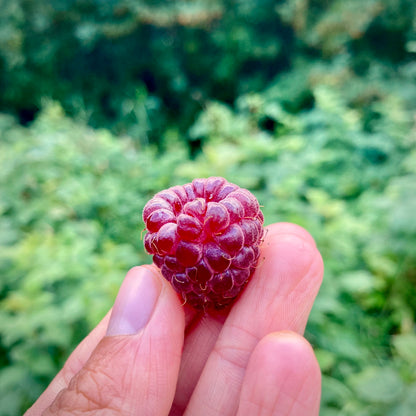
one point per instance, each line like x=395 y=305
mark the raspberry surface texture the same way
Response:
x=205 y=236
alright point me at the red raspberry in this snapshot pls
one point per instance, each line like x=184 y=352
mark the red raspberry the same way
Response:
x=205 y=236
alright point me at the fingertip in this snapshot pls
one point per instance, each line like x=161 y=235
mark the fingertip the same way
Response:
x=290 y=251
x=282 y=377
x=135 y=302
x=291 y=351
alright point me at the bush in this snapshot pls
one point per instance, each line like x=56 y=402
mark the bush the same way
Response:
x=71 y=227
x=310 y=105
x=71 y=206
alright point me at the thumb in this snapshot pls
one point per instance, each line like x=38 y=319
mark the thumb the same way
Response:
x=134 y=368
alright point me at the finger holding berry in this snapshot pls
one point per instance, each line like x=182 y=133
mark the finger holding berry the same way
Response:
x=152 y=355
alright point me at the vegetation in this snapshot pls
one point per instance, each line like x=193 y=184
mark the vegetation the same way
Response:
x=309 y=104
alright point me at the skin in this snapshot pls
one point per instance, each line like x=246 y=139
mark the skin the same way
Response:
x=250 y=359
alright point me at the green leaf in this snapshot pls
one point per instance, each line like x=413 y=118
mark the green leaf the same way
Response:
x=326 y=359
x=407 y=406
x=405 y=345
x=378 y=385
x=358 y=282
x=334 y=392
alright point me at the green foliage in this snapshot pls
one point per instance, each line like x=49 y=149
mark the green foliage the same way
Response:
x=353 y=186
x=122 y=63
x=71 y=226
x=309 y=104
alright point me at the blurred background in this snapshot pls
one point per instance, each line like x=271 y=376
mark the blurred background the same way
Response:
x=310 y=104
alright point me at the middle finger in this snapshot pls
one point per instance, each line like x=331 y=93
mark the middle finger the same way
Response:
x=279 y=297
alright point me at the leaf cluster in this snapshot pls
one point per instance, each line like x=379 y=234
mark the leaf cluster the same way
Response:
x=309 y=104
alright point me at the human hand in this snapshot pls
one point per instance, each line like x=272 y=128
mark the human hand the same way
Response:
x=151 y=356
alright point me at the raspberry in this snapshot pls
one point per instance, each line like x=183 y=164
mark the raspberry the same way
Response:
x=205 y=236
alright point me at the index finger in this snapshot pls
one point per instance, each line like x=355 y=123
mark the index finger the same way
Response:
x=279 y=297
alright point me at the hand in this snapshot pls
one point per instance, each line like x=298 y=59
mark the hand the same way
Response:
x=151 y=356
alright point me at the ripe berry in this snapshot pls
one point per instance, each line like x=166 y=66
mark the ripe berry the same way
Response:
x=205 y=236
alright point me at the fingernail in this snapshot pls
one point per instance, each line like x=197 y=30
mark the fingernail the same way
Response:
x=135 y=302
